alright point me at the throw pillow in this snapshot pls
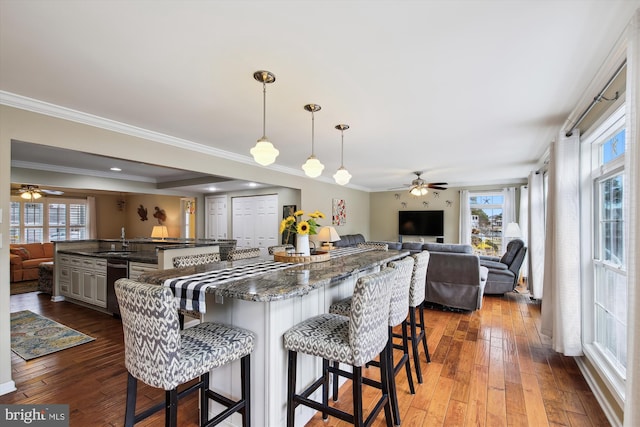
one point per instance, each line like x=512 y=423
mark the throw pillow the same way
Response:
x=22 y=252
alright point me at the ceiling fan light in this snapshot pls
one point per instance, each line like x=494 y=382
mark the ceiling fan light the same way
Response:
x=312 y=167
x=264 y=153
x=26 y=195
x=342 y=176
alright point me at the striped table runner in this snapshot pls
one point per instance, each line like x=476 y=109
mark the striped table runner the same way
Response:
x=335 y=253
x=190 y=290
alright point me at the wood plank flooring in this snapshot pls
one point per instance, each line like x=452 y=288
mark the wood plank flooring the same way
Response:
x=489 y=368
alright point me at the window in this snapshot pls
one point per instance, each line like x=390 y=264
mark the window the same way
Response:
x=57 y=219
x=486 y=222
x=605 y=284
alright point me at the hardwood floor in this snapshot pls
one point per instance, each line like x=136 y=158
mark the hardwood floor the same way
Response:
x=489 y=368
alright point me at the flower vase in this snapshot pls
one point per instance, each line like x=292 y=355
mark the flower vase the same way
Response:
x=302 y=244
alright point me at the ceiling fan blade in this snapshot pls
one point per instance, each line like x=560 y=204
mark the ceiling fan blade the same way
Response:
x=52 y=192
x=437 y=187
x=438 y=183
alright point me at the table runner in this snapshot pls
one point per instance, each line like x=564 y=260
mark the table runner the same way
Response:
x=335 y=253
x=190 y=290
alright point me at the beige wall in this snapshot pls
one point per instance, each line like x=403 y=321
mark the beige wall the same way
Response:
x=40 y=129
x=385 y=206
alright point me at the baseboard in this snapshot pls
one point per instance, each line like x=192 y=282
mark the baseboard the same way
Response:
x=57 y=298
x=601 y=397
x=7 y=387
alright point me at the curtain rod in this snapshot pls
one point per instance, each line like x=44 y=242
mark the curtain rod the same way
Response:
x=597 y=99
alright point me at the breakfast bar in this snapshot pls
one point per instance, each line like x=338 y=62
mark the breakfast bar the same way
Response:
x=268 y=304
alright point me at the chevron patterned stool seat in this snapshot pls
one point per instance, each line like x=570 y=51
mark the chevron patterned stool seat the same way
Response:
x=196 y=259
x=398 y=310
x=354 y=340
x=376 y=246
x=159 y=354
x=243 y=253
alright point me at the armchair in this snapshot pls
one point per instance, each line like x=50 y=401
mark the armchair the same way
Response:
x=504 y=271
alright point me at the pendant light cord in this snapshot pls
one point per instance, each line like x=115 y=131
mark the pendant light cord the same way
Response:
x=264 y=110
x=312 y=132
x=342 y=148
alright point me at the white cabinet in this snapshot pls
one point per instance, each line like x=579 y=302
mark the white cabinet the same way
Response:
x=255 y=221
x=84 y=278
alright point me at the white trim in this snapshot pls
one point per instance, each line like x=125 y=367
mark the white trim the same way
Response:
x=605 y=404
x=57 y=298
x=7 y=387
x=79 y=171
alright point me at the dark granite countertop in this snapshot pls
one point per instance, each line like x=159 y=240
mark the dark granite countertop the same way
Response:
x=149 y=257
x=292 y=282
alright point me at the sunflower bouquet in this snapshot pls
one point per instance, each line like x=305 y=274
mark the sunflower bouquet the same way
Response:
x=295 y=224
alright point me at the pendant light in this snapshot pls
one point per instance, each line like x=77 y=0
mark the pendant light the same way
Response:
x=343 y=176
x=264 y=152
x=312 y=168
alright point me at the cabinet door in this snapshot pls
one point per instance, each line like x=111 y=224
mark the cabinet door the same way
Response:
x=76 y=283
x=101 y=290
x=88 y=286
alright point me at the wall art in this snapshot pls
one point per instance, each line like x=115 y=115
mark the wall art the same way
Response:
x=339 y=214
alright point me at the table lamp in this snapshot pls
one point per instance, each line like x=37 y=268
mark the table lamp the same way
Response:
x=159 y=232
x=329 y=235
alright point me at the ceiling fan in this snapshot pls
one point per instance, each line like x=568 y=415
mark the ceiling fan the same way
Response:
x=419 y=187
x=33 y=192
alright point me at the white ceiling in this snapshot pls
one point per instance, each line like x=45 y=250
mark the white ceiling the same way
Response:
x=471 y=92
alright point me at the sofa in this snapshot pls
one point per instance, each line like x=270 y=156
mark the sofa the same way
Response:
x=25 y=258
x=455 y=277
x=349 y=240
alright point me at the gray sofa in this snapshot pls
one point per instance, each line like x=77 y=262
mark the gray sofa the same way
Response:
x=455 y=277
x=349 y=240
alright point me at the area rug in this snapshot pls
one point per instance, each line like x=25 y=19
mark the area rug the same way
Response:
x=23 y=287
x=33 y=335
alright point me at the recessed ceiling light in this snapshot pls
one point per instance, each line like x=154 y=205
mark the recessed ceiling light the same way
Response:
x=253 y=184
x=116 y=169
x=211 y=189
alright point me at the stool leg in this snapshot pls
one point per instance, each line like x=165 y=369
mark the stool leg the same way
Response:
x=357 y=394
x=132 y=391
x=204 y=399
x=386 y=369
x=336 y=365
x=245 y=374
x=291 y=388
x=393 y=394
x=407 y=364
x=414 y=343
x=171 y=409
x=424 y=333
x=325 y=387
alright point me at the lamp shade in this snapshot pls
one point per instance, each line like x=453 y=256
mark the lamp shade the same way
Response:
x=512 y=230
x=313 y=168
x=264 y=152
x=159 y=232
x=342 y=177
x=328 y=234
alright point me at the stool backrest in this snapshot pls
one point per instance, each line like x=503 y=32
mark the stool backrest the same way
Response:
x=418 y=278
x=376 y=246
x=151 y=332
x=197 y=259
x=399 y=305
x=243 y=253
x=281 y=248
x=369 y=316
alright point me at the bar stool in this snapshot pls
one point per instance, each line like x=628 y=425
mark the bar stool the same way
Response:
x=196 y=259
x=376 y=246
x=243 y=253
x=159 y=354
x=416 y=301
x=398 y=310
x=353 y=340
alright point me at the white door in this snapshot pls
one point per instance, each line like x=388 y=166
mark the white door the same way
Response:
x=216 y=217
x=255 y=221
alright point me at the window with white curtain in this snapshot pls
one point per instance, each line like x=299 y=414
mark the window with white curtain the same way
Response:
x=605 y=333
x=486 y=222
x=55 y=219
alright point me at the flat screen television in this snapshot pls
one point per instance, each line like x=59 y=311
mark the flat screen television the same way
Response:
x=421 y=223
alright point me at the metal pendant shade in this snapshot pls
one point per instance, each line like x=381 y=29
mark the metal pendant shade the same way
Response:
x=312 y=167
x=342 y=176
x=264 y=152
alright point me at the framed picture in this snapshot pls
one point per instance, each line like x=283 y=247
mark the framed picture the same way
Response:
x=339 y=214
x=288 y=210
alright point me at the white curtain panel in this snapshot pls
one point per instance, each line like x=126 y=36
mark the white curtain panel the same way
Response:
x=508 y=212
x=632 y=168
x=561 y=319
x=536 y=234
x=523 y=221
x=465 y=218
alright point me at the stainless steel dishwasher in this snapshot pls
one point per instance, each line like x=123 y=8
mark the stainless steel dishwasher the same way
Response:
x=116 y=269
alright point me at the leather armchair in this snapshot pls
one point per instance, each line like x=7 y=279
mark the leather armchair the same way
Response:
x=504 y=271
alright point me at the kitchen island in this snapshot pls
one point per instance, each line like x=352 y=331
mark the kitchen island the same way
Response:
x=269 y=304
